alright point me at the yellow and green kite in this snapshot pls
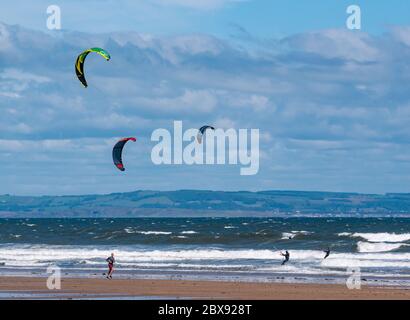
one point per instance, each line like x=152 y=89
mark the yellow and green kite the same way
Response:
x=79 y=65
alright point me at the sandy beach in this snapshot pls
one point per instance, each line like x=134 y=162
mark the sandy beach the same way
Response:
x=78 y=288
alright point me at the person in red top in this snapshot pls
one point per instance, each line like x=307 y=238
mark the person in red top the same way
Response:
x=111 y=262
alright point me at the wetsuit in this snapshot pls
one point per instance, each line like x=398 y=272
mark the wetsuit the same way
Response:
x=327 y=253
x=110 y=261
x=286 y=255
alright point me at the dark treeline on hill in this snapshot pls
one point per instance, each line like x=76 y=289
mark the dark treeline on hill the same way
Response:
x=203 y=203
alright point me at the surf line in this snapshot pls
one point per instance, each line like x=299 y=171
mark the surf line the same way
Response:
x=170 y=310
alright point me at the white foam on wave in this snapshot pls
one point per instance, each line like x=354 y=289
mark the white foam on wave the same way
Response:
x=344 y=234
x=382 y=237
x=377 y=246
x=287 y=235
x=29 y=224
x=42 y=254
x=364 y=263
x=20 y=256
x=302 y=232
x=154 y=232
x=131 y=230
x=292 y=234
x=189 y=232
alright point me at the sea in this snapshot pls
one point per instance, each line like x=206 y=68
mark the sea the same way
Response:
x=374 y=250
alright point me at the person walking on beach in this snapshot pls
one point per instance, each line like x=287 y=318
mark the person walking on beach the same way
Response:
x=327 y=253
x=286 y=255
x=111 y=262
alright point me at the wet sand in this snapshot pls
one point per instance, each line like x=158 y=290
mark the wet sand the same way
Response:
x=23 y=287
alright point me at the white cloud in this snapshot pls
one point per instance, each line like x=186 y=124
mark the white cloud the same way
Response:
x=189 y=102
x=324 y=102
x=5 y=43
x=21 y=76
x=344 y=44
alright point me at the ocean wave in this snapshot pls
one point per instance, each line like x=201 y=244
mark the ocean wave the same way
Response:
x=292 y=234
x=39 y=254
x=367 y=247
x=130 y=230
x=365 y=263
x=288 y=235
x=344 y=234
x=153 y=232
x=382 y=237
x=379 y=255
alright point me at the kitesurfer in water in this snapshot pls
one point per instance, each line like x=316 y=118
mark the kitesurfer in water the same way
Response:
x=286 y=255
x=327 y=253
x=111 y=262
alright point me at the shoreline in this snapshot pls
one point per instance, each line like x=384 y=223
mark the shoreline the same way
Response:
x=79 y=288
x=217 y=276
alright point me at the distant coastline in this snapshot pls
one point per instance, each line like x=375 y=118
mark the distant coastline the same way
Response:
x=197 y=203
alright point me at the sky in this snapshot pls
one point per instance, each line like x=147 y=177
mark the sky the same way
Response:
x=332 y=104
x=262 y=18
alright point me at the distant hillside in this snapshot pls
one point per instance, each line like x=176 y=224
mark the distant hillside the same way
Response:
x=204 y=203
